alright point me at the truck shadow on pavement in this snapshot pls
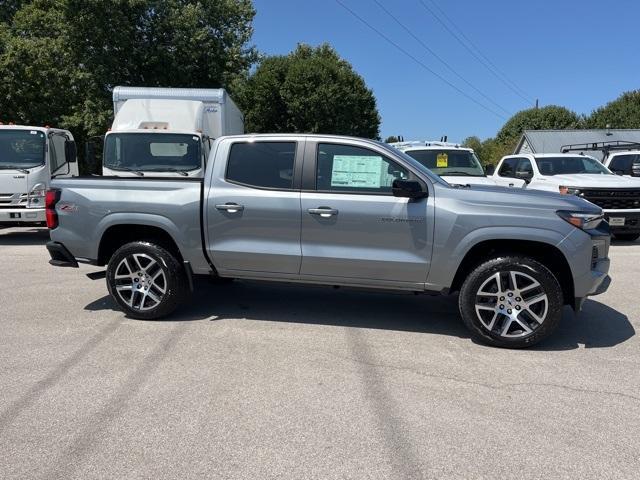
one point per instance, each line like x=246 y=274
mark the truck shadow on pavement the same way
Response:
x=24 y=236
x=597 y=326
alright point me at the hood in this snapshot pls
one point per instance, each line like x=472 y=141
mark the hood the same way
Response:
x=587 y=180
x=521 y=198
x=466 y=180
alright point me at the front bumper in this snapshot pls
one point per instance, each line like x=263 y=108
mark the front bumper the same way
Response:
x=22 y=216
x=60 y=256
x=631 y=221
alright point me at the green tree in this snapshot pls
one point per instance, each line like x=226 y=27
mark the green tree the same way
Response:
x=624 y=112
x=549 y=117
x=60 y=59
x=391 y=139
x=310 y=90
x=489 y=151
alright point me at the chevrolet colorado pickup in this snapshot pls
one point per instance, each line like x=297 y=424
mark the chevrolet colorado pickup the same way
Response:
x=336 y=211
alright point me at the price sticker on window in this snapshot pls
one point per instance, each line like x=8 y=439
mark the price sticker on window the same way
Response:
x=442 y=160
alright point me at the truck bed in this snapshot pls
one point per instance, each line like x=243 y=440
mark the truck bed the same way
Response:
x=89 y=206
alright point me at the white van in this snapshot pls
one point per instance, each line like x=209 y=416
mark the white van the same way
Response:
x=455 y=164
x=29 y=158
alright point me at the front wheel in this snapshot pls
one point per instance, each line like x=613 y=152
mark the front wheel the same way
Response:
x=626 y=237
x=511 y=302
x=146 y=280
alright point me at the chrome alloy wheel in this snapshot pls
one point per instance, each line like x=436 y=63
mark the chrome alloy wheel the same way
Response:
x=140 y=282
x=511 y=304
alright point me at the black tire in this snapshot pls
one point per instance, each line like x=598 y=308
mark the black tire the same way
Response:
x=150 y=298
x=626 y=237
x=490 y=314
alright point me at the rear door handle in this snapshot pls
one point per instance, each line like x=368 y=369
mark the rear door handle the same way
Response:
x=230 y=207
x=324 y=212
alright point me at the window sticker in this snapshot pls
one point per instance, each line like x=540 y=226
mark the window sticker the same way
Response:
x=357 y=171
x=442 y=160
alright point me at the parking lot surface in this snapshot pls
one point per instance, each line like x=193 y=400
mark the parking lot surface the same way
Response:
x=259 y=381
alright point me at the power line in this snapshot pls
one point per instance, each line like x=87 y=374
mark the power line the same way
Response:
x=443 y=61
x=462 y=34
x=423 y=65
x=487 y=64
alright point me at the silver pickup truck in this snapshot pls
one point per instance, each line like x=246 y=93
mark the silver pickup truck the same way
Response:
x=335 y=211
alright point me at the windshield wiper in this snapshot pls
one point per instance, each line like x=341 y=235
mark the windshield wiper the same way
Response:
x=127 y=169
x=169 y=169
x=13 y=167
x=456 y=172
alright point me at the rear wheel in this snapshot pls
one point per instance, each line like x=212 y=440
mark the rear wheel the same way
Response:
x=511 y=302
x=146 y=280
x=627 y=237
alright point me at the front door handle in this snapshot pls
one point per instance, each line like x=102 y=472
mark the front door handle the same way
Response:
x=324 y=212
x=230 y=207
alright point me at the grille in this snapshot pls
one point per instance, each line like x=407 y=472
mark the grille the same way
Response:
x=13 y=200
x=613 y=199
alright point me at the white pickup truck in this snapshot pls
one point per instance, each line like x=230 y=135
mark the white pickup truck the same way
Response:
x=581 y=175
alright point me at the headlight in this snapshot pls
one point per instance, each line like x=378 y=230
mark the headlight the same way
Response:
x=35 y=199
x=569 y=190
x=582 y=220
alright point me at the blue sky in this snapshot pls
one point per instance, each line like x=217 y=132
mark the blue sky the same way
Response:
x=576 y=53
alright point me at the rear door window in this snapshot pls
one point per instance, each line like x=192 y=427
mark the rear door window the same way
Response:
x=262 y=164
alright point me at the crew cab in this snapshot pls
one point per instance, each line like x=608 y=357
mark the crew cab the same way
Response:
x=579 y=175
x=337 y=211
x=453 y=163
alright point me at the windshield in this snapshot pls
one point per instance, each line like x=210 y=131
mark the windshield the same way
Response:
x=449 y=162
x=570 y=165
x=152 y=152
x=21 y=148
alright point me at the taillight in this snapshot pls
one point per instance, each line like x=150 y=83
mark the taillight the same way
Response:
x=51 y=198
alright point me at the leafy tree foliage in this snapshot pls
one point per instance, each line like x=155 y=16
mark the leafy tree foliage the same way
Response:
x=549 y=117
x=624 y=112
x=489 y=151
x=60 y=59
x=391 y=139
x=310 y=90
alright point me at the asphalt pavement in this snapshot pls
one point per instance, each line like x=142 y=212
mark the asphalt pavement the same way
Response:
x=260 y=381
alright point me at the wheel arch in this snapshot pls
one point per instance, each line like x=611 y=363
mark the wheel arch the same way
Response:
x=547 y=254
x=115 y=236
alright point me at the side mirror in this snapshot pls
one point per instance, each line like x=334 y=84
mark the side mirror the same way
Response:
x=408 y=189
x=490 y=170
x=526 y=176
x=70 y=151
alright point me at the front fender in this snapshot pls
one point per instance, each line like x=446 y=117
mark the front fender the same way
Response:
x=445 y=265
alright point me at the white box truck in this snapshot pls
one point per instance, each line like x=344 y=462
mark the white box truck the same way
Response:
x=167 y=131
x=29 y=158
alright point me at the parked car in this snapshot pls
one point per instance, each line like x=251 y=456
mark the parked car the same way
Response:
x=453 y=163
x=332 y=210
x=579 y=175
x=29 y=158
x=166 y=131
